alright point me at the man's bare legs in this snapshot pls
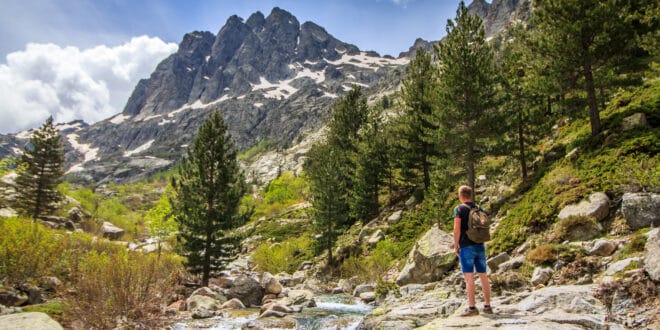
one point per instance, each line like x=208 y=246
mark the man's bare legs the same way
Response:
x=485 y=285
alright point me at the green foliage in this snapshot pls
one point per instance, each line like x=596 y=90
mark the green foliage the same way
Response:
x=208 y=191
x=55 y=308
x=635 y=245
x=254 y=151
x=28 y=251
x=159 y=219
x=565 y=229
x=40 y=171
x=281 y=193
x=543 y=255
x=281 y=231
x=7 y=165
x=417 y=138
x=282 y=257
x=467 y=80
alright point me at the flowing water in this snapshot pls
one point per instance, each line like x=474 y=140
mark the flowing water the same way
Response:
x=331 y=312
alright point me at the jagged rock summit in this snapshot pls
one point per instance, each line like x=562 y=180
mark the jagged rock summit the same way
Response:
x=271 y=77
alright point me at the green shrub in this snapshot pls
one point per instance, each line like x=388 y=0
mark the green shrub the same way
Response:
x=635 y=245
x=278 y=195
x=282 y=257
x=55 y=309
x=574 y=228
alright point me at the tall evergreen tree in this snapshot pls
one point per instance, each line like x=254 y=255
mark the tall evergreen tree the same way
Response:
x=467 y=81
x=40 y=171
x=208 y=190
x=417 y=141
x=583 y=42
x=524 y=112
x=328 y=194
x=371 y=166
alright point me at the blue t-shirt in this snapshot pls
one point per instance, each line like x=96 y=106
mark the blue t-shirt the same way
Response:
x=464 y=213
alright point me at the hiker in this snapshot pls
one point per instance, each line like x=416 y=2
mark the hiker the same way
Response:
x=472 y=255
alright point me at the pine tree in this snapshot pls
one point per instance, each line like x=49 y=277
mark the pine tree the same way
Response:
x=40 y=171
x=328 y=194
x=467 y=81
x=208 y=190
x=583 y=42
x=524 y=112
x=417 y=140
x=371 y=166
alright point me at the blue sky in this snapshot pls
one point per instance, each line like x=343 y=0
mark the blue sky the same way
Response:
x=81 y=59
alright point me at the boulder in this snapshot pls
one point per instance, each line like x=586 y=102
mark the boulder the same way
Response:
x=431 y=257
x=597 y=206
x=77 y=215
x=652 y=255
x=35 y=296
x=298 y=277
x=208 y=292
x=111 y=231
x=512 y=264
x=603 y=248
x=12 y=297
x=305 y=265
x=50 y=283
x=634 y=121
x=573 y=154
x=412 y=201
x=274 y=306
x=32 y=320
x=541 y=275
x=270 y=284
x=201 y=313
x=362 y=288
x=368 y=296
x=569 y=298
x=247 y=290
x=376 y=237
x=494 y=262
x=641 y=210
x=196 y=302
x=299 y=298
x=622 y=265
x=233 y=304
x=345 y=285
x=395 y=217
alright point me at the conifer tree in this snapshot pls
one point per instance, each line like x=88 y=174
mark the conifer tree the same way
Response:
x=371 y=166
x=328 y=194
x=467 y=81
x=40 y=171
x=208 y=190
x=583 y=41
x=417 y=140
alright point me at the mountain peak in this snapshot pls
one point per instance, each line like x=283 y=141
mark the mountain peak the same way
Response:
x=256 y=21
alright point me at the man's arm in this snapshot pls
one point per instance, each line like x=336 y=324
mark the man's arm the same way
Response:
x=457 y=233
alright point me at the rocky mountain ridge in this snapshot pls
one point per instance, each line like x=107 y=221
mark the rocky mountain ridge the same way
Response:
x=273 y=79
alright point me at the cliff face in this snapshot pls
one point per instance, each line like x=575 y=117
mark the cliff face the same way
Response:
x=498 y=14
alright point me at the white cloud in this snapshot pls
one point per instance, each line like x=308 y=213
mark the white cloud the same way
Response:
x=69 y=83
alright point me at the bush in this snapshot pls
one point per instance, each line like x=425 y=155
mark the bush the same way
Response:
x=507 y=281
x=29 y=251
x=282 y=257
x=578 y=268
x=122 y=287
x=574 y=228
x=543 y=255
x=635 y=245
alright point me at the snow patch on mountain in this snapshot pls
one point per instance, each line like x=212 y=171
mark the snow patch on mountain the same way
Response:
x=120 y=118
x=139 y=149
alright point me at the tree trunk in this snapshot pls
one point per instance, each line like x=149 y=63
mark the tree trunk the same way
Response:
x=206 y=270
x=427 y=176
x=470 y=167
x=594 y=116
x=521 y=145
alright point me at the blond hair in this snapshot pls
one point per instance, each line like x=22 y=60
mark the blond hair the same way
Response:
x=465 y=192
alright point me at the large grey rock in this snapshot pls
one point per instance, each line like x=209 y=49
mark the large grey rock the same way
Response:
x=196 y=302
x=512 y=264
x=494 y=262
x=362 y=288
x=622 y=265
x=32 y=321
x=641 y=209
x=541 y=275
x=376 y=237
x=634 y=121
x=201 y=313
x=597 y=206
x=233 y=304
x=299 y=298
x=208 y=292
x=111 y=231
x=394 y=217
x=247 y=290
x=570 y=298
x=603 y=248
x=431 y=257
x=652 y=254
x=270 y=284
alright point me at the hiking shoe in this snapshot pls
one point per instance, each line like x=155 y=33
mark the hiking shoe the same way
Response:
x=488 y=310
x=470 y=312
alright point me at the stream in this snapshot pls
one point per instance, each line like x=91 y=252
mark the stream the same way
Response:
x=331 y=312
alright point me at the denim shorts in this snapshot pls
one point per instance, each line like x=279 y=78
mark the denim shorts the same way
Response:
x=473 y=256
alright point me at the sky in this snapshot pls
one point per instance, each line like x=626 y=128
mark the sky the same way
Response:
x=81 y=59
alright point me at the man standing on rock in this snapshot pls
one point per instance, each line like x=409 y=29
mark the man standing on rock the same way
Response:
x=472 y=255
